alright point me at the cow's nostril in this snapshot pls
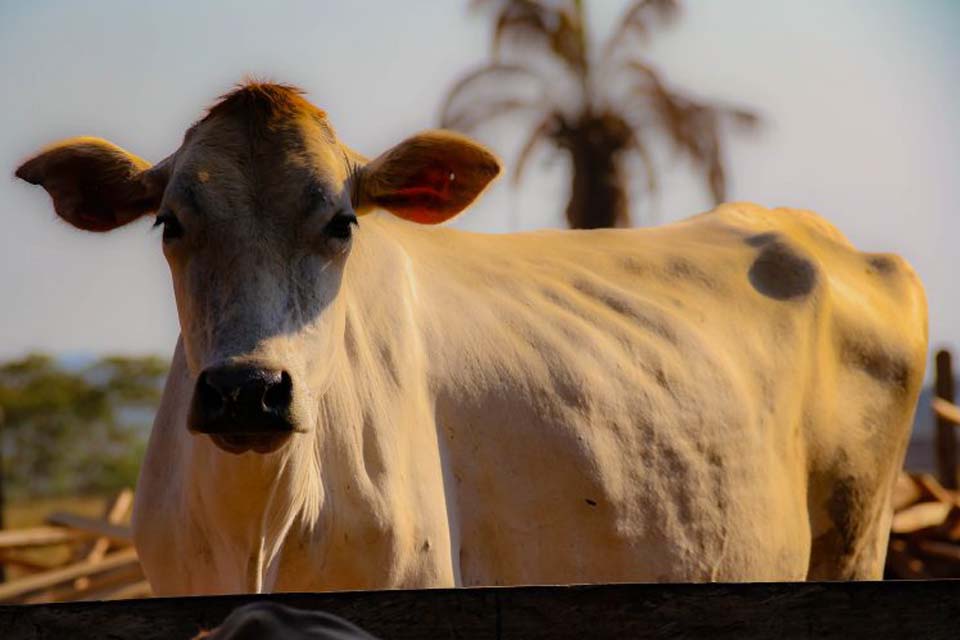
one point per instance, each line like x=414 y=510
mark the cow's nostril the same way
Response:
x=279 y=394
x=209 y=396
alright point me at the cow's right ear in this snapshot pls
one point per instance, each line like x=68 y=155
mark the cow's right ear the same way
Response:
x=95 y=185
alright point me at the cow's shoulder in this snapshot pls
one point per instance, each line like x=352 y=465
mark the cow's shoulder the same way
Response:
x=870 y=307
x=798 y=239
x=754 y=219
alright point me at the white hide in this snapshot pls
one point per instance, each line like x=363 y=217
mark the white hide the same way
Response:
x=725 y=398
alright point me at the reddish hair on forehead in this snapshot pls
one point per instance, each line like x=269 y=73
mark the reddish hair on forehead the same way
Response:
x=262 y=101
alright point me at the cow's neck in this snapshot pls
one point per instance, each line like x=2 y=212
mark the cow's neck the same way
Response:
x=239 y=508
x=247 y=504
x=472 y=295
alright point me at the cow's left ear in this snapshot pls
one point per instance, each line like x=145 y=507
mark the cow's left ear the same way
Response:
x=95 y=185
x=428 y=178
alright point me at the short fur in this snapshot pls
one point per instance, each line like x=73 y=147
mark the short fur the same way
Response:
x=724 y=398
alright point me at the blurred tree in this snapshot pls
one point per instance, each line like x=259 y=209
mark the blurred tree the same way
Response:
x=596 y=107
x=76 y=431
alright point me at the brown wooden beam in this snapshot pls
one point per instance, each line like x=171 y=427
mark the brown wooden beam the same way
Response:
x=946 y=437
x=40 y=536
x=22 y=586
x=841 y=610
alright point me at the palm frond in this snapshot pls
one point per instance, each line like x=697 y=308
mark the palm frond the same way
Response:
x=637 y=145
x=637 y=22
x=692 y=126
x=470 y=88
x=553 y=29
x=484 y=109
x=543 y=129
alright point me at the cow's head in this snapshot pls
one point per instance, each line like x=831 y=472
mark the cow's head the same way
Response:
x=258 y=208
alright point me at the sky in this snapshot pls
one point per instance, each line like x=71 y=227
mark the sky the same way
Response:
x=860 y=102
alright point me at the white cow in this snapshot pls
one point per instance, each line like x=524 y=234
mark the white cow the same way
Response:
x=388 y=404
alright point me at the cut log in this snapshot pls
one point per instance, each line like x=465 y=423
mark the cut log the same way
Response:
x=940 y=550
x=40 y=537
x=906 y=492
x=25 y=564
x=920 y=516
x=139 y=589
x=946 y=410
x=22 y=586
x=115 y=513
x=98 y=586
x=933 y=490
x=949 y=530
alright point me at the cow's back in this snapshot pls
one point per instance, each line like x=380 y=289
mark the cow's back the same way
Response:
x=731 y=393
x=865 y=349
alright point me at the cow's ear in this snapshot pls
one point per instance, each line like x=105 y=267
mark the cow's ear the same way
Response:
x=95 y=185
x=428 y=178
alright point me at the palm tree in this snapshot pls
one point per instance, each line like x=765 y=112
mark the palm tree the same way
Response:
x=598 y=107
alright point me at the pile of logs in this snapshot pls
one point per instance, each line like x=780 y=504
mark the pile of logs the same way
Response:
x=101 y=563
x=925 y=532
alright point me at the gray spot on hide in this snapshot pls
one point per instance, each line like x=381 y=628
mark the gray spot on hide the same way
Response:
x=884 y=265
x=879 y=363
x=779 y=272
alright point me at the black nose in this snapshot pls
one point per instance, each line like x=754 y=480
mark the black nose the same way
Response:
x=232 y=399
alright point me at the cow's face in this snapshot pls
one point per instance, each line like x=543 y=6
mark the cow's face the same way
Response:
x=259 y=211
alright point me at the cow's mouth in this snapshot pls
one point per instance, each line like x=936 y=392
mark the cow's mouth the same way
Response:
x=243 y=442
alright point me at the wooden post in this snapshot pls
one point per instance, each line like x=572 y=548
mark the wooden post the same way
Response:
x=946 y=438
x=3 y=497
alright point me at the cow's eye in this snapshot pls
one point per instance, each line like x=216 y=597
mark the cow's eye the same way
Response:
x=172 y=229
x=340 y=225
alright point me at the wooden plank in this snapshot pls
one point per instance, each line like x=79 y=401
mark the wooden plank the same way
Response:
x=140 y=589
x=946 y=410
x=919 y=516
x=946 y=438
x=98 y=587
x=946 y=551
x=24 y=564
x=906 y=491
x=23 y=586
x=115 y=532
x=934 y=490
x=761 y=611
x=40 y=537
x=114 y=513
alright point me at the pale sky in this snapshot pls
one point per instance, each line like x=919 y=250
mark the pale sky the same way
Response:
x=860 y=97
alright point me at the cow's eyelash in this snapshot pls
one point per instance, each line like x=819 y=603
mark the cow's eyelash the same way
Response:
x=340 y=225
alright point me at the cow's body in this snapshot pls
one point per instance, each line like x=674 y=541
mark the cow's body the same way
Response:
x=390 y=405
x=726 y=398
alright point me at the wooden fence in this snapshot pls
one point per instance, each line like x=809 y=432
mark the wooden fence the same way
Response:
x=100 y=563
x=779 y=611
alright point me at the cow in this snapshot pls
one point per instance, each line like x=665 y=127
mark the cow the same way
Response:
x=362 y=399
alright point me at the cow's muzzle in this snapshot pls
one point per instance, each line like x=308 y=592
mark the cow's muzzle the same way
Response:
x=243 y=408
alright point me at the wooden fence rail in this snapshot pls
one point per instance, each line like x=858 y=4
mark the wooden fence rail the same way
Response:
x=902 y=609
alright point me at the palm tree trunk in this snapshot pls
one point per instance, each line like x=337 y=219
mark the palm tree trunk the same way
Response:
x=598 y=197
